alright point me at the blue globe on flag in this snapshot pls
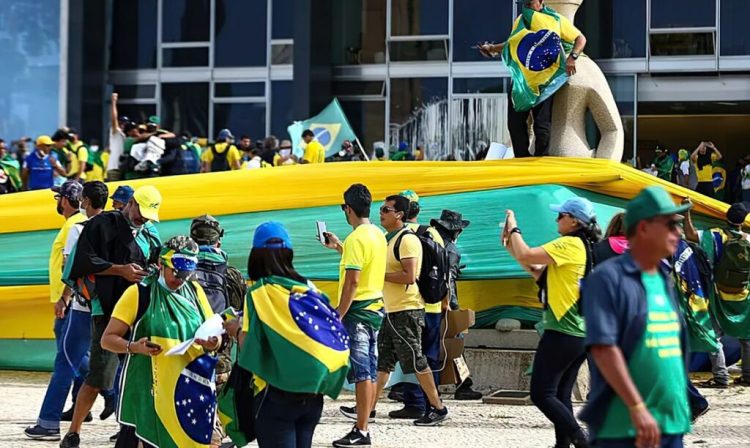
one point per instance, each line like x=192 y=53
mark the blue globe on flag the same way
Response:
x=539 y=51
x=323 y=135
x=195 y=399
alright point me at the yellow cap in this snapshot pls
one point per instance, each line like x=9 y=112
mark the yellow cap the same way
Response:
x=149 y=201
x=44 y=140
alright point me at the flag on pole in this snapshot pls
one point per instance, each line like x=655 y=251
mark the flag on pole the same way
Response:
x=330 y=127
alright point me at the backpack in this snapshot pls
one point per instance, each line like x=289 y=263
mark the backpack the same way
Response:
x=434 y=276
x=190 y=154
x=732 y=273
x=219 y=161
x=213 y=279
x=236 y=288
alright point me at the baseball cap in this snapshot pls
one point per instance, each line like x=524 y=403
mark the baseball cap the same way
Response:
x=737 y=213
x=70 y=189
x=181 y=254
x=580 y=208
x=206 y=229
x=271 y=230
x=154 y=119
x=149 y=201
x=224 y=134
x=122 y=194
x=410 y=195
x=60 y=134
x=44 y=140
x=650 y=203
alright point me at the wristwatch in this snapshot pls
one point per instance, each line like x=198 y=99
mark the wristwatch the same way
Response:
x=574 y=55
x=515 y=230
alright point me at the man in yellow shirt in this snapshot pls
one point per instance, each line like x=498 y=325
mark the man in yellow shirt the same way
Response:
x=223 y=155
x=400 y=338
x=361 y=277
x=703 y=158
x=314 y=151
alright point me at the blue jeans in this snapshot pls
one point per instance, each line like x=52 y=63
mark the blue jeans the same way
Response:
x=697 y=401
x=285 y=421
x=73 y=336
x=363 y=352
x=413 y=393
x=671 y=441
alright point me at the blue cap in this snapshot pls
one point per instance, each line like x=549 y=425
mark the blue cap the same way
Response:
x=271 y=230
x=123 y=194
x=580 y=208
x=224 y=134
x=403 y=146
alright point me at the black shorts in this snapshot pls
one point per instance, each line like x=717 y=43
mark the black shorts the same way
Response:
x=400 y=340
x=102 y=363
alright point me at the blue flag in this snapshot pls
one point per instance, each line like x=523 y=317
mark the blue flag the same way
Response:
x=330 y=127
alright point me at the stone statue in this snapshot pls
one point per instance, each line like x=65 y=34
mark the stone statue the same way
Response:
x=586 y=90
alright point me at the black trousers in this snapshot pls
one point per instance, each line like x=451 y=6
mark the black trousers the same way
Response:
x=519 y=132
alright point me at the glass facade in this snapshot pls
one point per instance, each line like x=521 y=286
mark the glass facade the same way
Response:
x=134 y=34
x=184 y=107
x=358 y=32
x=186 y=20
x=240 y=33
x=419 y=17
x=614 y=29
x=735 y=41
x=495 y=26
x=679 y=14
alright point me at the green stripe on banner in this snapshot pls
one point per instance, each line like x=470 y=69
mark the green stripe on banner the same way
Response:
x=27 y=354
x=25 y=254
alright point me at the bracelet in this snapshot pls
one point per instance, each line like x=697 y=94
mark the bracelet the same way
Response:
x=127 y=348
x=636 y=407
x=515 y=230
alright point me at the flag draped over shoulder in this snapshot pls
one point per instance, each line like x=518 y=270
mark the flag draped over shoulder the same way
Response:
x=692 y=277
x=535 y=57
x=295 y=339
x=12 y=169
x=171 y=400
x=330 y=126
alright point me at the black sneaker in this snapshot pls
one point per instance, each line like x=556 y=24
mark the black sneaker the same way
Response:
x=433 y=418
x=741 y=381
x=113 y=438
x=71 y=440
x=713 y=384
x=36 y=432
x=696 y=413
x=109 y=407
x=409 y=412
x=354 y=438
x=67 y=416
x=351 y=412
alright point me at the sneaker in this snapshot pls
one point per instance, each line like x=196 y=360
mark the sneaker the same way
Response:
x=36 y=432
x=741 y=381
x=71 y=440
x=109 y=407
x=409 y=412
x=67 y=416
x=396 y=395
x=467 y=394
x=351 y=412
x=113 y=438
x=713 y=384
x=698 y=413
x=433 y=418
x=354 y=438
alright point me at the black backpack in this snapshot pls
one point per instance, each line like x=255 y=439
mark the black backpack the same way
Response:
x=213 y=279
x=219 y=162
x=434 y=277
x=732 y=272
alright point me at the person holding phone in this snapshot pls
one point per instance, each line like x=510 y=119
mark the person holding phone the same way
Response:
x=703 y=158
x=158 y=316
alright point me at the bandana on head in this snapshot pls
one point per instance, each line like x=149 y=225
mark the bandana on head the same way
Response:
x=181 y=254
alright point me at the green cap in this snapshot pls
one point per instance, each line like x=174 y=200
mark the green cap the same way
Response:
x=650 y=203
x=410 y=195
x=154 y=119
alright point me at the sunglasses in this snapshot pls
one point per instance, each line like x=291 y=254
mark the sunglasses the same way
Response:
x=385 y=209
x=563 y=215
x=343 y=207
x=672 y=224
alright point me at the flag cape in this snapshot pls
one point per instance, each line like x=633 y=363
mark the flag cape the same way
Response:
x=535 y=57
x=719 y=179
x=292 y=328
x=170 y=400
x=330 y=127
x=13 y=169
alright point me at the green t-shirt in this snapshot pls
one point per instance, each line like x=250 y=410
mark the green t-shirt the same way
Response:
x=657 y=369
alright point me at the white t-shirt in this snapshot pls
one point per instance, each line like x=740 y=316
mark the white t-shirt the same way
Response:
x=746 y=178
x=116 y=147
x=70 y=243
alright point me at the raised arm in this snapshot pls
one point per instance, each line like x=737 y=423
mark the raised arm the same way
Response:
x=113 y=114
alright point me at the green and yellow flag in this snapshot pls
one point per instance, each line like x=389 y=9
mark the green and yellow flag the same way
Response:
x=535 y=55
x=171 y=400
x=295 y=340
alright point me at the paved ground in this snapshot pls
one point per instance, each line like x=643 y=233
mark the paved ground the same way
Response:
x=472 y=424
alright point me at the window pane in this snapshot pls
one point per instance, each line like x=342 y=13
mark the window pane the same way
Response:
x=358 y=32
x=185 y=57
x=184 y=107
x=423 y=50
x=477 y=21
x=419 y=111
x=368 y=120
x=283 y=19
x=241 y=119
x=282 y=54
x=282 y=105
x=133 y=34
x=613 y=28
x=136 y=91
x=682 y=44
x=419 y=17
x=138 y=113
x=185 y=20
x=229 y=89
x=735 y=40
x=358 y=88
x=240 y=39
x=678 y=13
x=478 y=85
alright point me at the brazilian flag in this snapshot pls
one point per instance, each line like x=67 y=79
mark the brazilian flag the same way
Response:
x=295 y=340
x=12 y=169
x=719 y=179
x=535 y=56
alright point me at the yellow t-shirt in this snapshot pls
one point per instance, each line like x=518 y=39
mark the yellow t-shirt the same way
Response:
x=56 y=286
x=97 y=172
x=78 y=154
x=233 y=156
x=563 y=284
x=364 y=251
x=568 y=32
x=398 y=297
x=126 y=309
x=314 y=152
x=705 y=174
x=430 y=307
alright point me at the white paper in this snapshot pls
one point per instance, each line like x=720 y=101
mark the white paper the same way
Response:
x=210 y=328
x=498 y=151
x=285 y=152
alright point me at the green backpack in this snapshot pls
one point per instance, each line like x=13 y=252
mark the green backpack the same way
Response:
x=732 y=273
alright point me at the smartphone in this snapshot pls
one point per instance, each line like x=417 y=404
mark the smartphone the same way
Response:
x=321 y=226
x=504 y=226
x=150 y=344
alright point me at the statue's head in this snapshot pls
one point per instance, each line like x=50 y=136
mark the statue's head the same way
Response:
x=568 y=8
x=556 y=3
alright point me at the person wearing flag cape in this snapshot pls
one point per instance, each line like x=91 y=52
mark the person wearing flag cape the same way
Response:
x=541 y=54
x=166 y=401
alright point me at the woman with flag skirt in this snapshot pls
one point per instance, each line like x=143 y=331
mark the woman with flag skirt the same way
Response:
x=292 y=341
x=559 y=267
x=166 y=401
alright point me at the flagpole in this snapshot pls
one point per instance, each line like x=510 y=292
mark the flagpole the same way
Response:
x=361 y=148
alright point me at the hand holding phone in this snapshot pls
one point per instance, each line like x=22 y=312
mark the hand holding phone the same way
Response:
x=321 y=227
